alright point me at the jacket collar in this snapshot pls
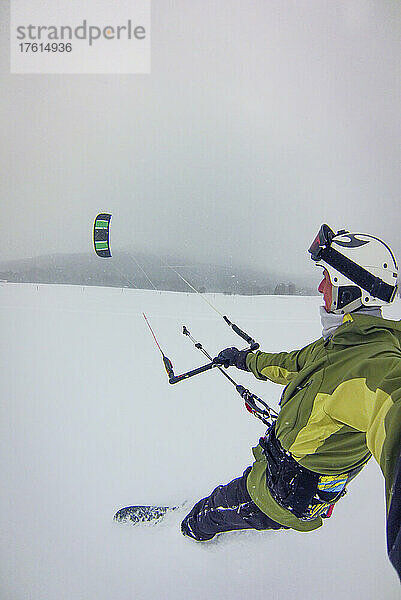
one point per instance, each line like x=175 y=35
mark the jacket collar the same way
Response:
x=331 y=322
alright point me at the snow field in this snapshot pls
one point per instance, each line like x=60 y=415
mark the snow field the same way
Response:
x=89 y=423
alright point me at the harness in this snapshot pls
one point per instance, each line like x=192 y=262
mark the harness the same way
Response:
x=304 y=493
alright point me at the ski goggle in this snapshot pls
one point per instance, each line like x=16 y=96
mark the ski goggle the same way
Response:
x=321 y=241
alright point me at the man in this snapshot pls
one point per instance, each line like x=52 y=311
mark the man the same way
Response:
x=340 y=406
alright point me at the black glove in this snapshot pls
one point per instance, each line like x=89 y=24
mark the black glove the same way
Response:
x=232 y=357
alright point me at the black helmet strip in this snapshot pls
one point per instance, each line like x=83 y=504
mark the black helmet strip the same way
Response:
x=321 y=249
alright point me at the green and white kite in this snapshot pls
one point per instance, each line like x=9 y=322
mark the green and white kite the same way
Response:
x=101 y=235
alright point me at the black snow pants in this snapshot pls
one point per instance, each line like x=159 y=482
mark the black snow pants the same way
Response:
x=228 y=508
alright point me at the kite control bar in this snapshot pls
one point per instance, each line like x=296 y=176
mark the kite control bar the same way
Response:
x=172 y=378
x=253 y=403
x=176 y=378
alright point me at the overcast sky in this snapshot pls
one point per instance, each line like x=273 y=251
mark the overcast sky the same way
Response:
x=258 y=122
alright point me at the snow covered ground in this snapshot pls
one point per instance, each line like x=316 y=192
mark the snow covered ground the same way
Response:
x=89 y=423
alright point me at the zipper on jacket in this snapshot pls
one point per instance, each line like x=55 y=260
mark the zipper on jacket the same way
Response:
x=295 y=390
x=302 y=387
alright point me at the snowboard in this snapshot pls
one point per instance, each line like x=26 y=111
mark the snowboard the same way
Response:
x=142 y=514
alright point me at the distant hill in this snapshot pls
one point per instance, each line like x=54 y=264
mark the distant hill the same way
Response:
x=144 y=271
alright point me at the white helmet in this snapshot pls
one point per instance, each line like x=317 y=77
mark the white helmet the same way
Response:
x=362 y=268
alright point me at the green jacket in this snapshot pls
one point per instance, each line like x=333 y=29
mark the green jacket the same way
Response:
x=341 y=404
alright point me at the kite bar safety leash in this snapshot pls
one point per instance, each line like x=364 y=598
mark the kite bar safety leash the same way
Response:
x=264 y=412
x=253 y=403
